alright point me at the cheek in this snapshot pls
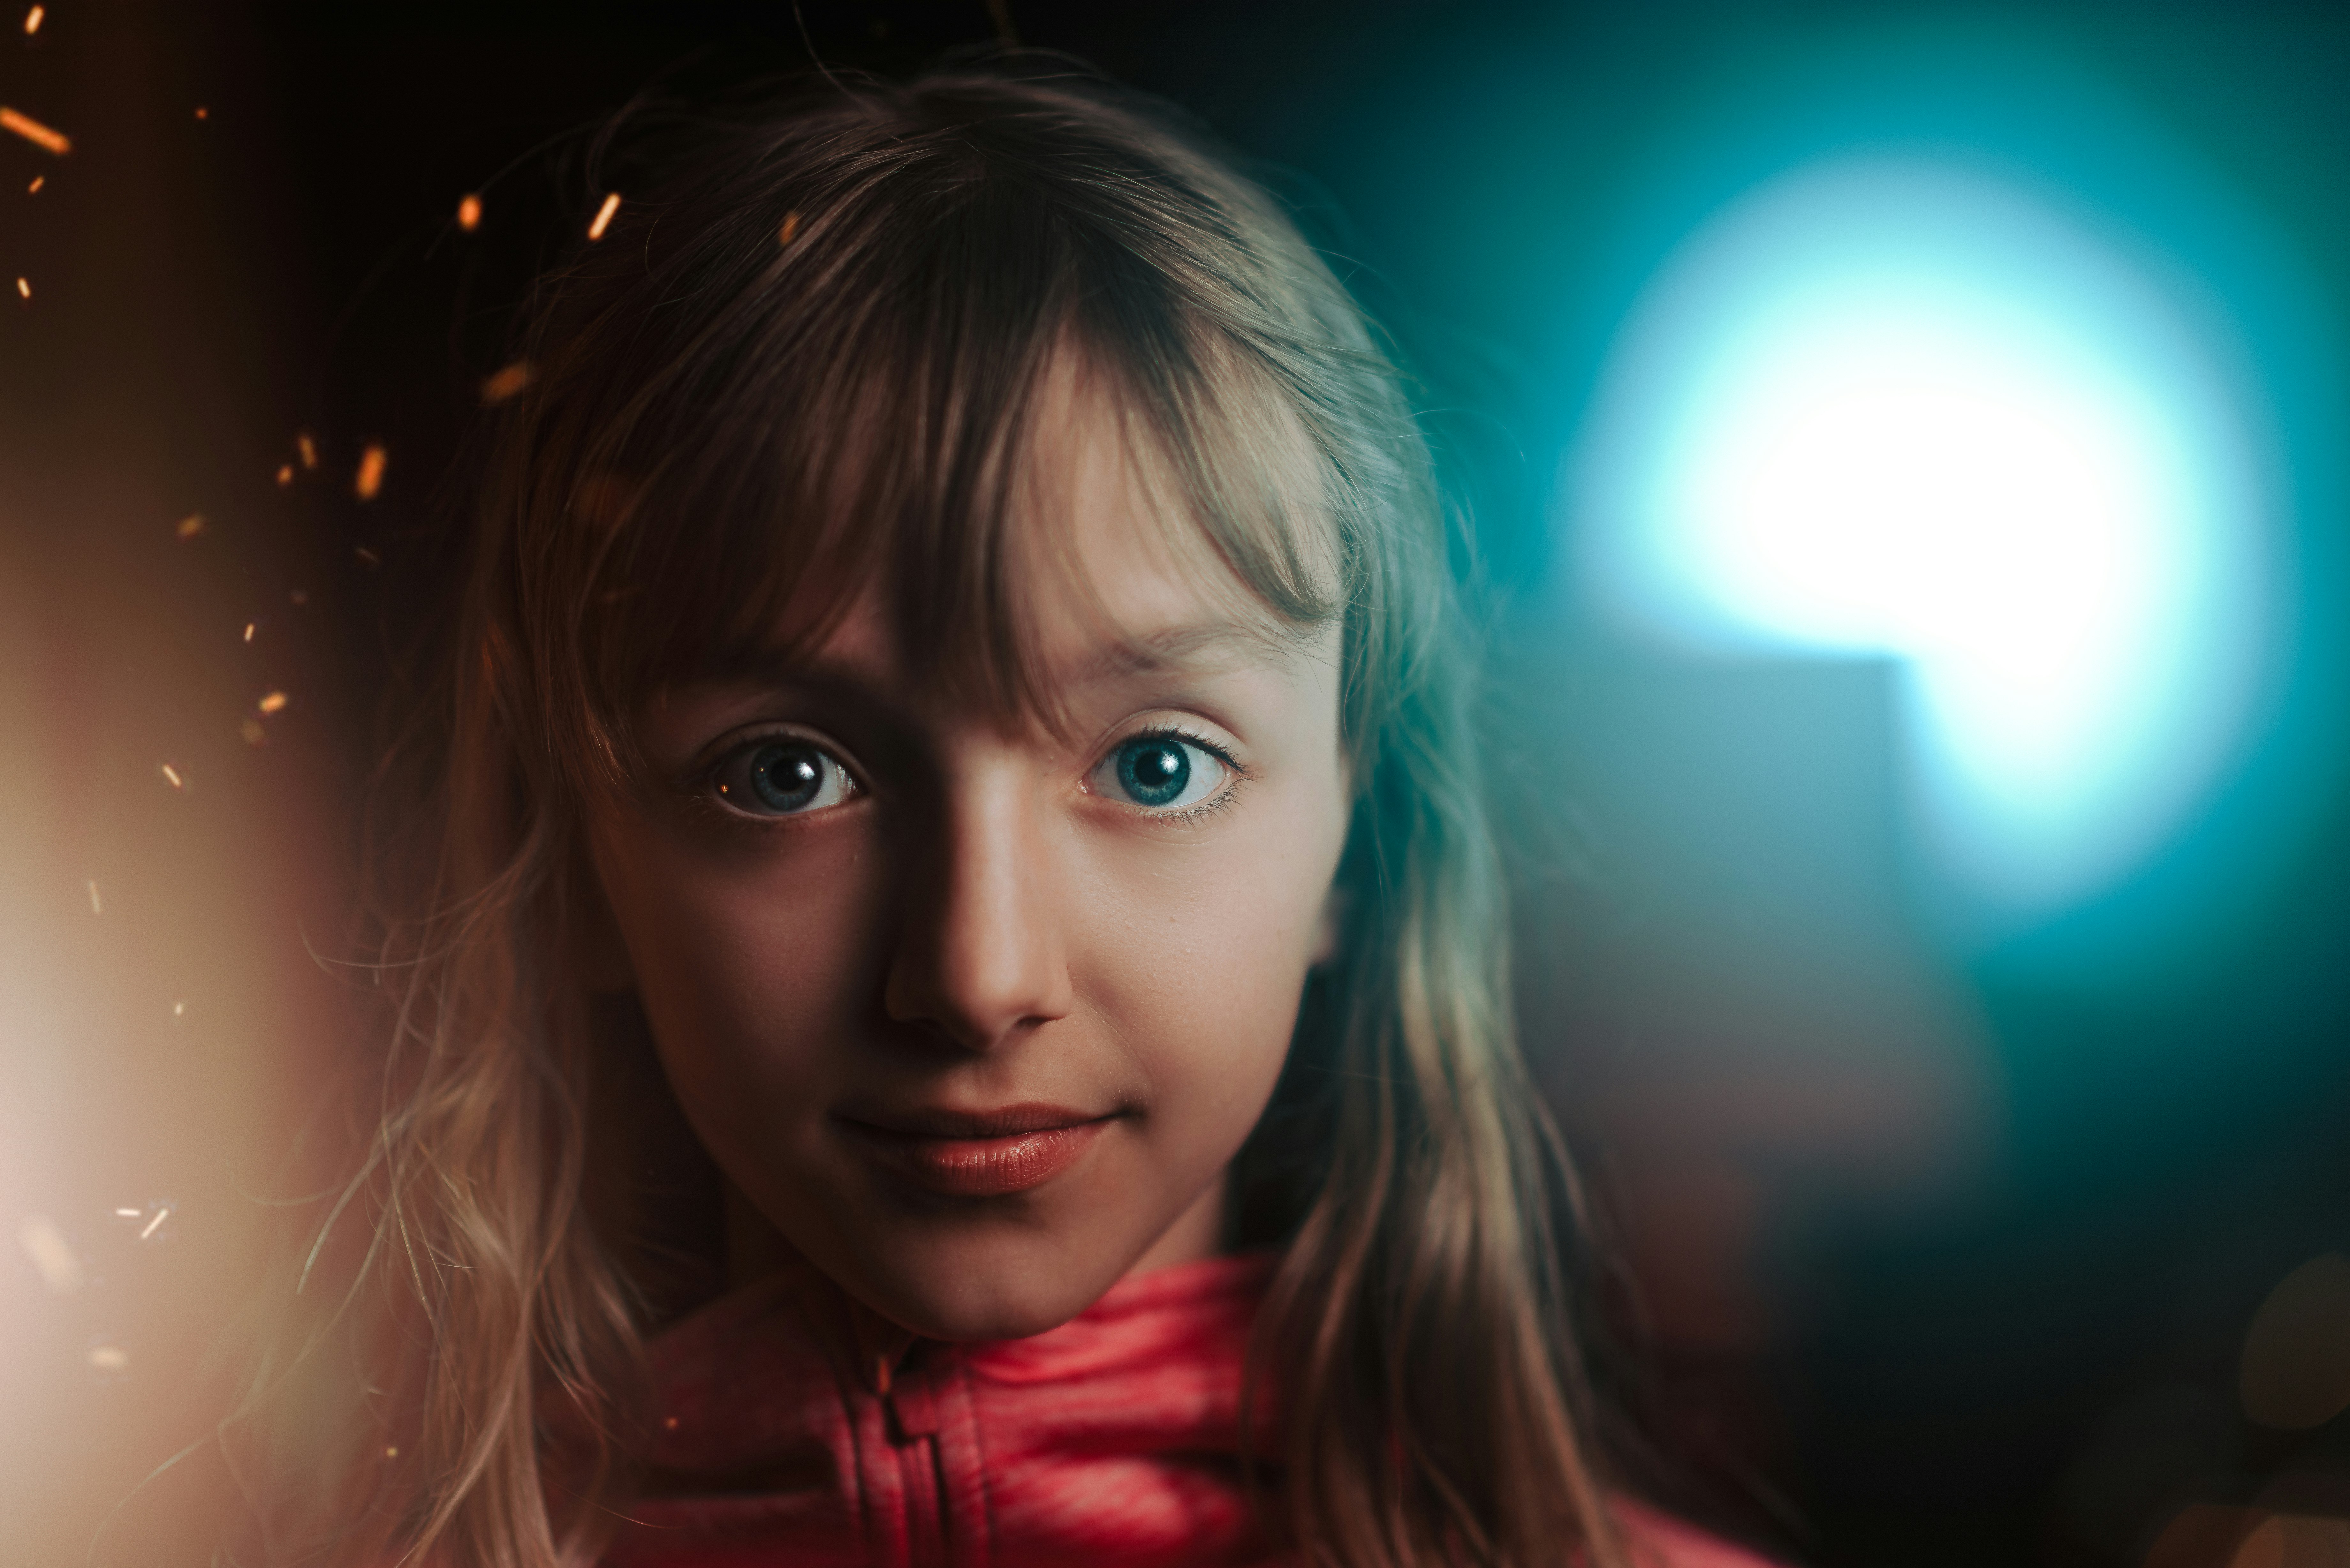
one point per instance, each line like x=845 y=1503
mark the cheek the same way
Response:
x=749 y=958
x=1198 y=952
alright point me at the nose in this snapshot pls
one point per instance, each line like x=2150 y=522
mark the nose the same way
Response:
x=981 y=957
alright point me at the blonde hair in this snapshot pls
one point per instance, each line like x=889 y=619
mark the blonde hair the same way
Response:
x=697 y=455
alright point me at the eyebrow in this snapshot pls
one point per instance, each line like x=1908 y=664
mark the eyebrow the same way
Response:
x=1184 y=647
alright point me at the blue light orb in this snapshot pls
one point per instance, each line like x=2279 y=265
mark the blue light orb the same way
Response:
x=1898 y=408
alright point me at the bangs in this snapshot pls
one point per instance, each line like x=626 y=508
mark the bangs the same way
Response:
x=833 y=363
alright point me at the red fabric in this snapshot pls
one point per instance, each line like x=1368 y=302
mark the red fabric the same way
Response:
x=1112 y=1440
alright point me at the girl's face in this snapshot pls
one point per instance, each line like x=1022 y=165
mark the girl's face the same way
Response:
x=976 y=1012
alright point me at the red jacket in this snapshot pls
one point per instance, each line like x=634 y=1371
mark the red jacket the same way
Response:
x=1111 y=1439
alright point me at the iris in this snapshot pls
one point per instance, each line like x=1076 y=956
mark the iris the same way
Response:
x=788 y=776
x=1153 y=770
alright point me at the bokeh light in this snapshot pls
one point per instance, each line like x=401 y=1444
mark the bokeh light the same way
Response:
x=1894 y=406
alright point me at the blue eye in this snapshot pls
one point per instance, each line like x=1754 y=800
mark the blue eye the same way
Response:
x=1164 y=772
x=784 y=777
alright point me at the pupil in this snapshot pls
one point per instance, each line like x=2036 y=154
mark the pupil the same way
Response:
x=787 y=778
x=1156 y=771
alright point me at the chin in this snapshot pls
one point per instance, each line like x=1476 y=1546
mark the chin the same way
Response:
x=987 y=1292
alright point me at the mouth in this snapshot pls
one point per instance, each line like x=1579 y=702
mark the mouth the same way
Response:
x=977 y=1154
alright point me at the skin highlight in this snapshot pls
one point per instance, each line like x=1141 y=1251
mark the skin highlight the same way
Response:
x=975 y=959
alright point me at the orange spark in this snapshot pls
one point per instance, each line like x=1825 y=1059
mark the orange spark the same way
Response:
x=791 y=226
x=203 y=113
x=34 y=132
x=308 y=448
x=32 y=20
x=371 y=475
x=469 y=213
x=51 y=1253
x=126 y=1214
x=156 y=1224
x=604 y=216
x=285 y=474
x=506 y=382
x=248 y=631
x=273 y=703
x=24 y=289
x=35 y=188
x=173 y=773
x=191 y=525
x=179 y=1010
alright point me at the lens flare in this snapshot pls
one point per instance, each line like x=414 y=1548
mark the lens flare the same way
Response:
x=1890 y=408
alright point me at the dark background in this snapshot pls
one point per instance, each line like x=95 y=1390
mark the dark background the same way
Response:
x=1932 y=1256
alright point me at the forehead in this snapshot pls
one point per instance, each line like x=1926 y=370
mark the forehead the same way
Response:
x=999 y=546
x=1109 y=578
x=1097 y=532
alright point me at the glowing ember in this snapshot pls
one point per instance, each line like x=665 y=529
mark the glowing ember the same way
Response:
x=34 y=132
x=126 y=1214
x=203 y=113
x=505 y=383
x=308 y=448
x=173 y=773
x=370 y=476
x=97 y=903
x=24 y=289
x=285 y=474
x=179 y=1010
x=604 y=216
x=248 y=631
x=469 y=213
x=38 y=181
x=109 y=1358
x=255 y=735
x=162 y=1212
x=46 y=1246
x=391 y=1452
x=273 y=703
x=32 y=20
x=191 y=525
x=791 y=226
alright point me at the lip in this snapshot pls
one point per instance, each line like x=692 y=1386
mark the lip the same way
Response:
x=977 y=1154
